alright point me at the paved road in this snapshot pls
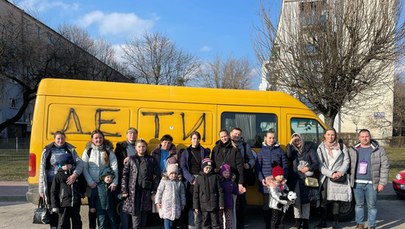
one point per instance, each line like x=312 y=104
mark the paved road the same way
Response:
x=19 y=214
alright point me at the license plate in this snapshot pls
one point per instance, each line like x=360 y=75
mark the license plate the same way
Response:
x=402 y=187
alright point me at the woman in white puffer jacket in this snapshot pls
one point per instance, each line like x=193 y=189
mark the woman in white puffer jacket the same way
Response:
x=97 y=156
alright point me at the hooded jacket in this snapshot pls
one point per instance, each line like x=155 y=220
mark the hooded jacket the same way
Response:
x=46 y=154
x=62 y=194
x=379 y=164
x=99 y=159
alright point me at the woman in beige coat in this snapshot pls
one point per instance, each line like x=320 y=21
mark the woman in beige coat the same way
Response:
x=334 y=182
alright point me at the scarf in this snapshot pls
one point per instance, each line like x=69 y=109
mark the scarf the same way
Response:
x=331 y=146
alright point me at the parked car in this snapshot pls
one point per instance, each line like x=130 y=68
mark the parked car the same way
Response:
x=398 y=184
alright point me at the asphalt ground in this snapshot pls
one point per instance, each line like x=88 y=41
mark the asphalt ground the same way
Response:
x=16 y=212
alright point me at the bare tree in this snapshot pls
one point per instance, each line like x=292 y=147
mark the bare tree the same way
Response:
x=232 y=73
x=154 y=59
x=328 y=53
x=30 y=52
x=105 y=67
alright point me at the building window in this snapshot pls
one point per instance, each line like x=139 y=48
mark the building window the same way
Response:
x=12 y=103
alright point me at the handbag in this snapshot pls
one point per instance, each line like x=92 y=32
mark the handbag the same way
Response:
x=42 y=215
x=340 y=180
x=311 y=182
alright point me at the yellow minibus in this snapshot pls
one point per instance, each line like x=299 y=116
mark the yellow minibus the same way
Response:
x=77 y=107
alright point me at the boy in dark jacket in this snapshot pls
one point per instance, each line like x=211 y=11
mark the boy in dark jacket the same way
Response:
x=208 y=195
x=66 y=199
x=102 y=201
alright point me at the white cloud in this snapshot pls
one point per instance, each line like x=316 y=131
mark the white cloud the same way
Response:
x=127 y=24
x=205 y=48
x=43 y=5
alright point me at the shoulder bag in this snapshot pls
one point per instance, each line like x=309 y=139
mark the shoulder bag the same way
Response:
x=42 y=215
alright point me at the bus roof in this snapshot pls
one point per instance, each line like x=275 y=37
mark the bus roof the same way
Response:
x=147 y=92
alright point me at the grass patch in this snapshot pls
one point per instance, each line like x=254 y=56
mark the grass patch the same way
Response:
x=396 y=157
x=13 y=165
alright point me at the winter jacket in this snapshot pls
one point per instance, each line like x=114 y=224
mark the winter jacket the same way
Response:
x=130 y=183
x=276 y=191
x=171 y=195
x=172 y=157
x=102 y=198
x=208 y=194
x=45 y=164
x=245 y=151
x=296 y=179
x=229 y=188
x=99 y=159
x=225 y=153
x=335 y=191
x=379 y=164
x=185 y=162
x=62 y=194
x=264 y=162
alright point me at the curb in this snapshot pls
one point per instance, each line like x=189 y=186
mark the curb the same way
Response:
x=13 y=199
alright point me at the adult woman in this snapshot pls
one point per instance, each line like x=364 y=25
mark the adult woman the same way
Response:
x=165 y=153
x=304 y=161
x=97 y=156
x=190 y=163
x=269 y=153
x=48 y=168
x=334 y=183
x=140 y=179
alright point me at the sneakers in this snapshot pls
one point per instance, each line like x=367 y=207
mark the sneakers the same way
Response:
x=360 y=226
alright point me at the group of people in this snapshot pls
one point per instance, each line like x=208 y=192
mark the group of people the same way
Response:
x=199 y=188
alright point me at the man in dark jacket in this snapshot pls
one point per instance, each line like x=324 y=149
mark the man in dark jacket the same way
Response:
x=122 y=151
x=225 y=153
x=66 y=199
x=248 y=164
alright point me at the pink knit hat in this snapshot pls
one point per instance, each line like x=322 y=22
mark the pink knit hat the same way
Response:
x=225 y=168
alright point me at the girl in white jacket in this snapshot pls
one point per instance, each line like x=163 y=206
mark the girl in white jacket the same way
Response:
x=278 y=193
x=170 y=196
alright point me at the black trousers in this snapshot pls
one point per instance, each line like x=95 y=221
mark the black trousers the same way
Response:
x=210 y=219
x=70 y=216
x=277 y=219
x=241 y=204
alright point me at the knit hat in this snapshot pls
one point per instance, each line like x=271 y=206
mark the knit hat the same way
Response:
x=277 y=170
x=65 y=158
x=107 y=172
x=172 y=168
x=206 y=162
x=225 y=168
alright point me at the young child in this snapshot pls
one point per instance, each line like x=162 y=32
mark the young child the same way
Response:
x=230 y=189
x=170 y=196
x=66 y=199
x=102 y=200
x=140 y=178
x=277 y=185
x=208 y=196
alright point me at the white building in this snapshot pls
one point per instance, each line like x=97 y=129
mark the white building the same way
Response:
x=373 y=109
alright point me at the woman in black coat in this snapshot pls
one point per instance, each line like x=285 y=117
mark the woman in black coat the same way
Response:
x=304 y=161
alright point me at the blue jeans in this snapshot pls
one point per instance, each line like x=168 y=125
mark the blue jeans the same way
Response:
x=168 y=223
x=367 y=192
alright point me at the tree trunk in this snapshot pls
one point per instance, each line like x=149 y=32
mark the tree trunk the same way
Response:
x=330 y=120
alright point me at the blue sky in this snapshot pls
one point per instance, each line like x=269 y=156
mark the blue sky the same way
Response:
x=204 y=28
